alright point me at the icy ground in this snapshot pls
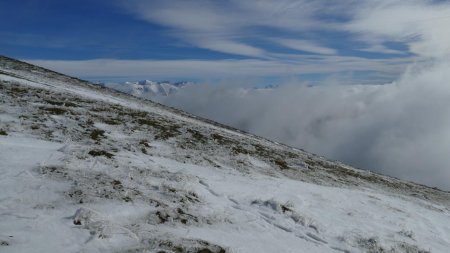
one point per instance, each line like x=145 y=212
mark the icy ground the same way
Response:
x=86 y=169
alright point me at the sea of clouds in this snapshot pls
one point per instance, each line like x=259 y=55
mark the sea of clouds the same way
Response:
x=401 y=128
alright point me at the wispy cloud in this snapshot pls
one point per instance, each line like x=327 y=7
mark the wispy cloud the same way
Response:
x=256 y=35
x=236 y=26
x=304 y=45
x=378 y=48
x=231 y=47
x=416 y=23
x=245 y=28
x=224 y=26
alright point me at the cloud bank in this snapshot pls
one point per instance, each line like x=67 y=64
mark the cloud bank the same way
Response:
x=400 y=129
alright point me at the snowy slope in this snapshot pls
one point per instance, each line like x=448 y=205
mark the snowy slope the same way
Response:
x=87 y=169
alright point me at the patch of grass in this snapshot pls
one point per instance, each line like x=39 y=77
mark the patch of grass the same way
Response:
x=144 y=143
x=3 y=132
x=117 y=185
x=197 y=246
x=166 y=129
x=70 y=104
x=112 y=121
x=221 y=139
x=132 y=113
x=98 y=109
x=149 y=122
x=311 y=163
x=206 y=250
x=370 y=244
x=52 y=102
x=97 y=152
x=239 y=150
x=346 y=174
x=18 y=91
x=60 y=103
x=55 y=171
x=281 y=163
x=168 y=132
x=97 y=134
x=198 y=136
x=163 y=218
x=54 y=110
x=192 y=197
x=263 y=151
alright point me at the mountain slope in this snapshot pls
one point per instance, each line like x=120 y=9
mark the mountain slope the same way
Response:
x=89 y=169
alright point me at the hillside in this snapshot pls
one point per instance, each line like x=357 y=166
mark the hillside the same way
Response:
x=85 y=168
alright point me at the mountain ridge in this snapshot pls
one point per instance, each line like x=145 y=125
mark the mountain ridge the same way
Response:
x=147 y=88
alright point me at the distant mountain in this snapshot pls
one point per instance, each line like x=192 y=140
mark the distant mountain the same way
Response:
x=152 y=89
x=147 y=88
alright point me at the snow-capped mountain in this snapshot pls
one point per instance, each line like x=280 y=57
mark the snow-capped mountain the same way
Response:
x=147 y=88
x=152 y=89
x=86 y=169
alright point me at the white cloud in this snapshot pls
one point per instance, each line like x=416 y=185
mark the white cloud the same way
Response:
x=223 y=26
x=377 y=48
x=420 y=24
x=232 y=47
x=304 y=45
x=399 y=129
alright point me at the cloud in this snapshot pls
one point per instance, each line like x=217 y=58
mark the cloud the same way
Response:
x=304 y=45
x=378 y=48
x=232 y=47
x=417 y=23
x=239 y=26
x=399 y=129
x=293 y=65
x=224 y=26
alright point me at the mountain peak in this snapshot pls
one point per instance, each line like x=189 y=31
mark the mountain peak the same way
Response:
x=149 y=89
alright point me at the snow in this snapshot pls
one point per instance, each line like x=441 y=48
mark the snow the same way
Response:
x=199 y=187
x=324 y=219
x=28 y=220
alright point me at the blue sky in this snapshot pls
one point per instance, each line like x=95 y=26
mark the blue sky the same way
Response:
x=183 y=39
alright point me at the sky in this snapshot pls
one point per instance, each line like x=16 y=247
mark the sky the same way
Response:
x=210 y=40
x=360 y=81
